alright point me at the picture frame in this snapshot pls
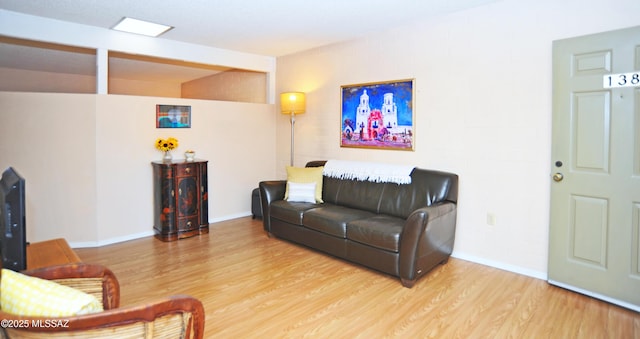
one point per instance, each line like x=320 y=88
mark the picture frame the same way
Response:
x=173 y=116
x=378 y=115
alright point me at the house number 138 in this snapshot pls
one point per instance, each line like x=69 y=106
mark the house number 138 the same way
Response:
x=621 y=80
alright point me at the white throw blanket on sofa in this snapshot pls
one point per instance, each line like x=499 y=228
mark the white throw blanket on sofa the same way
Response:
x=371 y=171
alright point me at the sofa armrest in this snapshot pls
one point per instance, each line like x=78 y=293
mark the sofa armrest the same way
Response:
x=428 y=235
x=270 y=191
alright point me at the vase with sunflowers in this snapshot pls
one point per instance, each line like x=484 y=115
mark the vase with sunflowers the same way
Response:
x=166 y=145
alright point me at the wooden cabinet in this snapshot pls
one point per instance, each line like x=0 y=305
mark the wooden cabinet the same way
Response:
x=180 y=199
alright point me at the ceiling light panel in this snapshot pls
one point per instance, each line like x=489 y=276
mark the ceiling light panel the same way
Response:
x=140 y=27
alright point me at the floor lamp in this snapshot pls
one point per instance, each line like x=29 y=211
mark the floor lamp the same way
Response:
x=292 y=103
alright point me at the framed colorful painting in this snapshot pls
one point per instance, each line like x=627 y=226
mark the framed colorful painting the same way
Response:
x=378 y=115
x=173 y=116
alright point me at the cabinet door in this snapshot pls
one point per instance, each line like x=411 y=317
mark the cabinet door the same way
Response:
x=163 y=191
x=204 y=195
x=188 y=196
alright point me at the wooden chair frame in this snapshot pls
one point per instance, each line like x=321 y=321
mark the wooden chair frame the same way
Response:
x=100 y=281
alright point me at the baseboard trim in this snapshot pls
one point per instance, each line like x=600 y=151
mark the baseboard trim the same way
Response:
x=115 y=240
x=230 y=217
x=110 y=241
x=500 y=265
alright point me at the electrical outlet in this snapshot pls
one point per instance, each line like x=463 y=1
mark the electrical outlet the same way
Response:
x=491 y=219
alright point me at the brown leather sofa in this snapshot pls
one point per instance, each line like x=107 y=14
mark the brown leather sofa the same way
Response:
x=402 y=230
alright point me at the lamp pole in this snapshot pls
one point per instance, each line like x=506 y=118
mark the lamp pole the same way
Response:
x=292 y=103
x=293 y=122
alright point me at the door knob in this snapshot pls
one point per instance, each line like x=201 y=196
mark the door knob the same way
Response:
x=557 y=177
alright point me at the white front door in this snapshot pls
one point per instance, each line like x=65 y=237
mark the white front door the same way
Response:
x=595 y=192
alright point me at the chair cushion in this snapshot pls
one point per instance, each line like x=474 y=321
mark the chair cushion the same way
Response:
x=30 y=296
x=305 y=175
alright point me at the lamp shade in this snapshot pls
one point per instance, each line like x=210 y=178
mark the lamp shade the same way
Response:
x=292 y=102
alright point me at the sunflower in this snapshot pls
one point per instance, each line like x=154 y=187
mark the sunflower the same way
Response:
x=168 y=144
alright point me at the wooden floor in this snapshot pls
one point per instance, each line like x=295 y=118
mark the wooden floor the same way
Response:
x=254 y=286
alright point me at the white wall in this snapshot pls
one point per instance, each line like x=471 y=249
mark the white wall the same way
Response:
x=483 y=110
x=236 y=139
x=50 y=140
x=86 y=159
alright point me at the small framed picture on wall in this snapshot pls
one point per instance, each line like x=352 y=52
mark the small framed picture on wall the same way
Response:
x=173 y=116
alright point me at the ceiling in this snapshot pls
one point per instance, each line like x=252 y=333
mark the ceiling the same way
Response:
x=264 y=27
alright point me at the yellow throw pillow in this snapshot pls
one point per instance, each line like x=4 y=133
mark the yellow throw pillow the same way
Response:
x=30 y=296
x=305 y=175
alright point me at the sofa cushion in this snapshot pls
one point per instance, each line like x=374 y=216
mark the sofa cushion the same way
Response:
x=305 y=175
x=363 y=195
x=290 y=212
x=381 y=231
x=427 y=187
x=332 y=219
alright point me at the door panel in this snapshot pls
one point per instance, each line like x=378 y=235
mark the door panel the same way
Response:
x=589 y=231
x=594 y=233
x=598 y=62
x=591 y=131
